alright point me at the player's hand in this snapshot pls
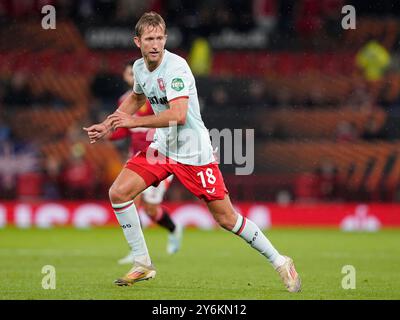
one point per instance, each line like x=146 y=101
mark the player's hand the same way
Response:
x=96 y=132
x=121 y=120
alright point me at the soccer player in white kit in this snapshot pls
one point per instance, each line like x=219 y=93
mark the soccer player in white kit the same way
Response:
x=181 y=147
x=151 y=199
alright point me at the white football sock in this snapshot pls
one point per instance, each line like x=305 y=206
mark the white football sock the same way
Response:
x=249 y=231
x=128 y=219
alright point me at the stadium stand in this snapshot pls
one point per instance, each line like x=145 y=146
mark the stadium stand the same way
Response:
x=299 y=99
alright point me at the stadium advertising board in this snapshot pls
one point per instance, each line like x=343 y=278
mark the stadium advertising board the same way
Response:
x=350 y=217
x=120 y=37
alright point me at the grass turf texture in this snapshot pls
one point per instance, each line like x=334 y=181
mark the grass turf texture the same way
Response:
x=211 y=265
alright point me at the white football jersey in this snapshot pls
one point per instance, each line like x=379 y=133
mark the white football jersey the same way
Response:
x=189 y=143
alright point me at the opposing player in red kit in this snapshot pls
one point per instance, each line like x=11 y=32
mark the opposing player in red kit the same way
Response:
x=152 y=197
x=181 y=147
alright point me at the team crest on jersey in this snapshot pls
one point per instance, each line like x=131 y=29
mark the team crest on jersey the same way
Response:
x=161 y=84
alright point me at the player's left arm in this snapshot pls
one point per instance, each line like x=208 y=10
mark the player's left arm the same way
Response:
x=175 y=115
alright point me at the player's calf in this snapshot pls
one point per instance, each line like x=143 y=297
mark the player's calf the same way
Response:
x=121 y=193
x=225 y=215
x=159 y=215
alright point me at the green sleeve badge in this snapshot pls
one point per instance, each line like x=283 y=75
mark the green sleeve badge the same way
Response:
x=177 y=84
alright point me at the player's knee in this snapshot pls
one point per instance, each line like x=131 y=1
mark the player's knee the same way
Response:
x=118 y=195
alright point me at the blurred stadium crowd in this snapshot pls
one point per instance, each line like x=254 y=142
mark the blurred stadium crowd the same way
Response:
x=324 y=102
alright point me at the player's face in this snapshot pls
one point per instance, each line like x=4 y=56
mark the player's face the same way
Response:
x=151 y=44
x=128 y=75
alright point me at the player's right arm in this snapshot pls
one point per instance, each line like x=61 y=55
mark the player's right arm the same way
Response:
x=129 y=106
x=132 y=103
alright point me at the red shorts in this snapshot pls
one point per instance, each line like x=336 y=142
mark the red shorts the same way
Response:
x=205 y=182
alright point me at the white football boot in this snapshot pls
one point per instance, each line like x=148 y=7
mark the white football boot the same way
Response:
x=289 y=275
x=175 y=240
x=139 y=272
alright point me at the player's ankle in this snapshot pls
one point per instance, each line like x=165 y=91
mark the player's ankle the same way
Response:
x=278 y=261
x=143 y=260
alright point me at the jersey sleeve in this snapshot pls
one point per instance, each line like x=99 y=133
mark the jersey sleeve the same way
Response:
x=136 y=85
x=177 y=83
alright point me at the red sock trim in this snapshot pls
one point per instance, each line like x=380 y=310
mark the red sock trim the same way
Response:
x=242 y=226
x=119 y=210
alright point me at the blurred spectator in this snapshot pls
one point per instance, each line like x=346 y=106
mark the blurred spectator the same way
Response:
x=200 y=57
x=7 y=186
x=106 y=87
x=283 y=97
x=359 y=97
x=286 y=16
x=327 y=180
x=112 y=168
x=78 y=175
x=3 y=11
x=219 y=97
x=64 y=7
x=372 y=130
x=16 y=159
x=315 y=97
x=283 y=197
x=5 y=131
x=83 y=10
x=265 y=14
x=257 y=94
x=242 y=14
x=75 y=134
x=7 y=172
x=128 y=9
x=105 y=10
x=157 y=6
x=389 y=96
x=306 y=187
x=373 y=59
x=29 y=186
x=19 y=9
x=18 y=92
x=346 y=132
x=332 y=15
x=51 y=188
x=309 y=18
x=48 y=98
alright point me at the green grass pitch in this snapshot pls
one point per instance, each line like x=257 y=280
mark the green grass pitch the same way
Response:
x=211 y=265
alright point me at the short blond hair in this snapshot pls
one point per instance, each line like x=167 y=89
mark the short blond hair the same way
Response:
x=152 y=19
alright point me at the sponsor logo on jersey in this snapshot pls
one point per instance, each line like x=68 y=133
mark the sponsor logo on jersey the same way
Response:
x=177 y=84
x=161 y=84
x=155 y=100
